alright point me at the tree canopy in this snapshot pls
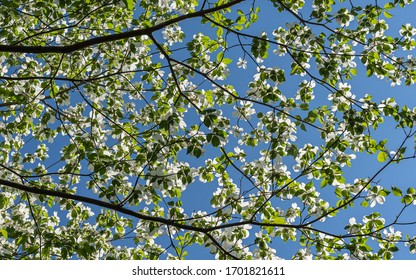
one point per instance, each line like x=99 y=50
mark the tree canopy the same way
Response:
x=228 y=129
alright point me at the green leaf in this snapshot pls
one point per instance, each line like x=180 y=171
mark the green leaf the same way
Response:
x=388 y=6
x=241 y=20
x=215 y=141
x=304 y=106
x=387 y=14
x=130 y=4
x=120 y=229
x=338 y=192
x=220 y=31
x=227 y=60
x=220 y=56
x=4 y=233
x=279 y=220
x=389 y=66
x=197 y=152
x=407 y=199
x=396 y=191
x=382 y=156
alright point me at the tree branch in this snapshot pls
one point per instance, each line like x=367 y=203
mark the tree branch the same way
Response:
x=116 y=207
x=113 y=37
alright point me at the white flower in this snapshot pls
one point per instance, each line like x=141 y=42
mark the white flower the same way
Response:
x=304 y=254
x=349 y=63
x=242 y=63
x=237 y=150
x=375 y=197
x=259 y=60
x=292 y=213
x=391 y=234
x=344 y=86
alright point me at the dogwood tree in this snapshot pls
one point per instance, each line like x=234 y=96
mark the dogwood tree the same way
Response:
x=172 y=129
